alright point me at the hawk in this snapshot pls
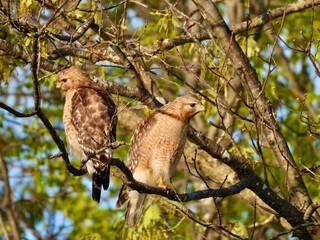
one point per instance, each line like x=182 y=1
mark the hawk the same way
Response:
x=155 y=149
x=90 y=120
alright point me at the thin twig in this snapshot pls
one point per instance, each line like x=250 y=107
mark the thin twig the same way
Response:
x=310 y=210
x=304 y=225
x=113 y=145
x=78 y=34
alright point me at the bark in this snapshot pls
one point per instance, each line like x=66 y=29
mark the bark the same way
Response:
x=7 y=204
x=262 y=108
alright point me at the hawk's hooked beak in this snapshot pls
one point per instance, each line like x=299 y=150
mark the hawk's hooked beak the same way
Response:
x=200 y=108
x=58 y=85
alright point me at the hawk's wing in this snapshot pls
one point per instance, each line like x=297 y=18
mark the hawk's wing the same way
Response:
x=93 y=115
x=138 y=138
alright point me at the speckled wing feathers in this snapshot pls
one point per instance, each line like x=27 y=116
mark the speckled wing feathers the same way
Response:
x=140 y=134
x=138 y=139
x=90 y=119
x=93 y=111
x=93 y=117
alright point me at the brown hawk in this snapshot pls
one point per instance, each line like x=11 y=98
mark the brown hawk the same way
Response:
x=90 y=119
x=155 y=149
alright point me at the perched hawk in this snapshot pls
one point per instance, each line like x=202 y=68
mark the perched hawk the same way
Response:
x=155 y=149
x=90 y=119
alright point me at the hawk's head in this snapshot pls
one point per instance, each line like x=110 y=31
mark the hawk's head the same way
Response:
x=72 y=78
x=183 y=108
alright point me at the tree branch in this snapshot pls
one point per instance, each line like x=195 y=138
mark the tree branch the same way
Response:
x=240 y=166
x=258 y=21
x=138 y=73
x=20 y=52
x=7 y=202
x=262 y=107
x=298 y=227
x=15 y=112
x=172 y=195
x=78 y=34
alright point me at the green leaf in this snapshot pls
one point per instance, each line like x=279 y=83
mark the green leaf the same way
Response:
x=25 y=5
x=151 y=215
x=249 y=46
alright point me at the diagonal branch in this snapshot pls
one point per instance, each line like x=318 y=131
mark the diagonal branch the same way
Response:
x=15 y=112
x=262 y=107
x=260 y=20
x=136 y=70
x=78 y=34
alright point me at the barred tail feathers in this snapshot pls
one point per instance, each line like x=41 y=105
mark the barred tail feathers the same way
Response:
x=123 y=196
x=96 y=186
x=100 y=178
x=134 y=208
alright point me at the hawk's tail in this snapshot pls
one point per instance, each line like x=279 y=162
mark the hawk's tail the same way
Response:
x=99 y=179
x=134 y=208
x=123 y=196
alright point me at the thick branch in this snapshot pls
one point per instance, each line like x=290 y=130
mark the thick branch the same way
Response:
x=172 y=195
x=261 y=105
x=260 y=20
x=244 y=171
x=259 y=101
x=7 y=202
x=20 y=52
x=69 y=51
x=240 y=166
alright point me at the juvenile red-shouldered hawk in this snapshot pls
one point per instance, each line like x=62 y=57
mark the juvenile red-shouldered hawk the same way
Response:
x=90 y=120
x=155 y=149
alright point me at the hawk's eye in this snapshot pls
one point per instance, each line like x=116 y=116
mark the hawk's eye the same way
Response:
x=192 y=105
x=64 y=80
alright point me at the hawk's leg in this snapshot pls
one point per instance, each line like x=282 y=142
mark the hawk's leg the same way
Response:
x=162 y=185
